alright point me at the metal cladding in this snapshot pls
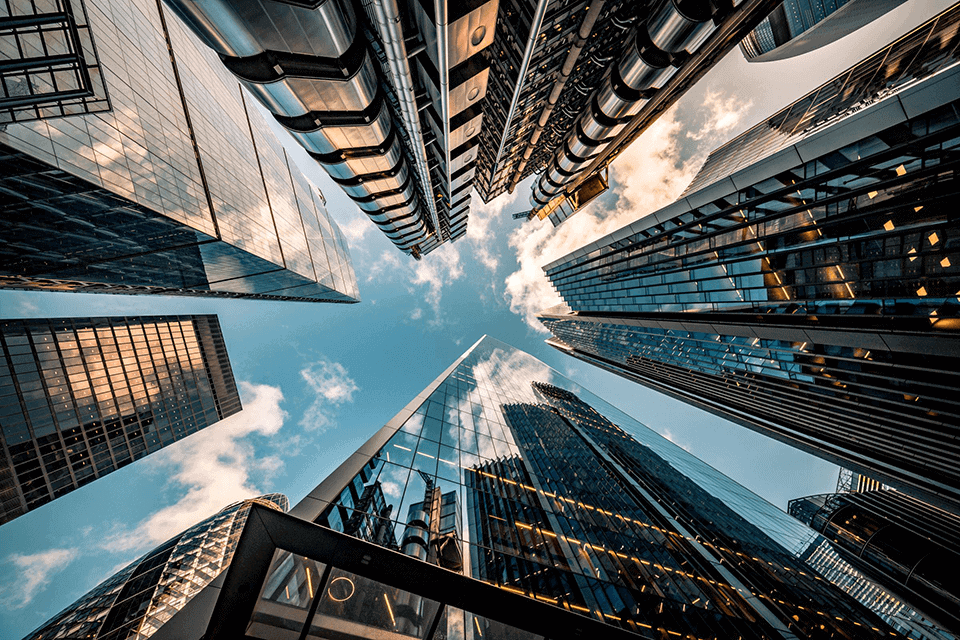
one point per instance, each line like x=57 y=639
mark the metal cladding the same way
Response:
x=675 y=29
x=354 y=93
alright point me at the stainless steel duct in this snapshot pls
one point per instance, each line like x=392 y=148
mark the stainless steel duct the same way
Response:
x=593 y=12
x=320 y=82
x=673 y=27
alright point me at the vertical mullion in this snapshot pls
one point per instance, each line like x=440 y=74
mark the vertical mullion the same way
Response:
x=321 y=585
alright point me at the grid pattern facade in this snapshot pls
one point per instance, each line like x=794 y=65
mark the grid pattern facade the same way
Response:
x=81 y=397
x=571 y=502
x=50 y=67
x=823 y=557
x=824 y=299
x=180 y=189
x=136 y=601
x=900 y=542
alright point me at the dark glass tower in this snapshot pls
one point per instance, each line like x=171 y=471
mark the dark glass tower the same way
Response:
x=569 y=517
x=81 y=397
x=140 y=598
x=806 y=284
x=902 y=543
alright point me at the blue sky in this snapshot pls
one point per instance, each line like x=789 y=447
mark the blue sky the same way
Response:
x=318 y=379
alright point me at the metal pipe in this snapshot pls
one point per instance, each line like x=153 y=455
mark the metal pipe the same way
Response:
x=735 y=26
x=535 y=25
x=388 y=23
x=443 y=57
x=642 y=68
x=565 y=72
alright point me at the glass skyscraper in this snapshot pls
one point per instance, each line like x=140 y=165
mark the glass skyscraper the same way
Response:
x=806 y=283
x=50 y=65
x=140 y=598
x=81 y=397
x=506 y=501
x=179 y=189
x=902 y=543
x=798 y=26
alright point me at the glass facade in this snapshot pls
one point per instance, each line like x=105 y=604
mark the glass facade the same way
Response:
x=812 y=296
x=181 y=189
x=798 y=26
x=136 y=601
x=50 y=67
x=925 y=51
x=902 y=543
x=508 y=473
x=81 y=397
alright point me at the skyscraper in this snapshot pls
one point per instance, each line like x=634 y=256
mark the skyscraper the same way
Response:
x=805 y=285
x=50 y=64
x=140 y=598
x=571 y=519
x=902 y=543
x=799 y=26
x=81 y=397
x=385 y=96
x=410 y=104
x=179 y=189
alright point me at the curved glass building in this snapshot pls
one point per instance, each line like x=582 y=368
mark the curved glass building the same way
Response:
x=798 y=26
x=139 y=599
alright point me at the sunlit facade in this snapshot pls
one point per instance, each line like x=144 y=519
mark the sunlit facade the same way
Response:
x=140 y=598
x=806 y=284
x=181 y=188
x=902 y=543
x=521 y=506
x=82 y=397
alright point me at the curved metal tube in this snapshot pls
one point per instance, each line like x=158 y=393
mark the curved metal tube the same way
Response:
x=680 y=25
x=322 y=74
x=644 y=67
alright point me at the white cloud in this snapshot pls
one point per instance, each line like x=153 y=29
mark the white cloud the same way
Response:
x=416 y=314
x=669 y=435
x=436 y=270
x=34 y=572
x=332 y=385
x=648 y=175
x=723 y=115
x=28 y=308
x=480 y=229
x=214 y=465
x=386 y=265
